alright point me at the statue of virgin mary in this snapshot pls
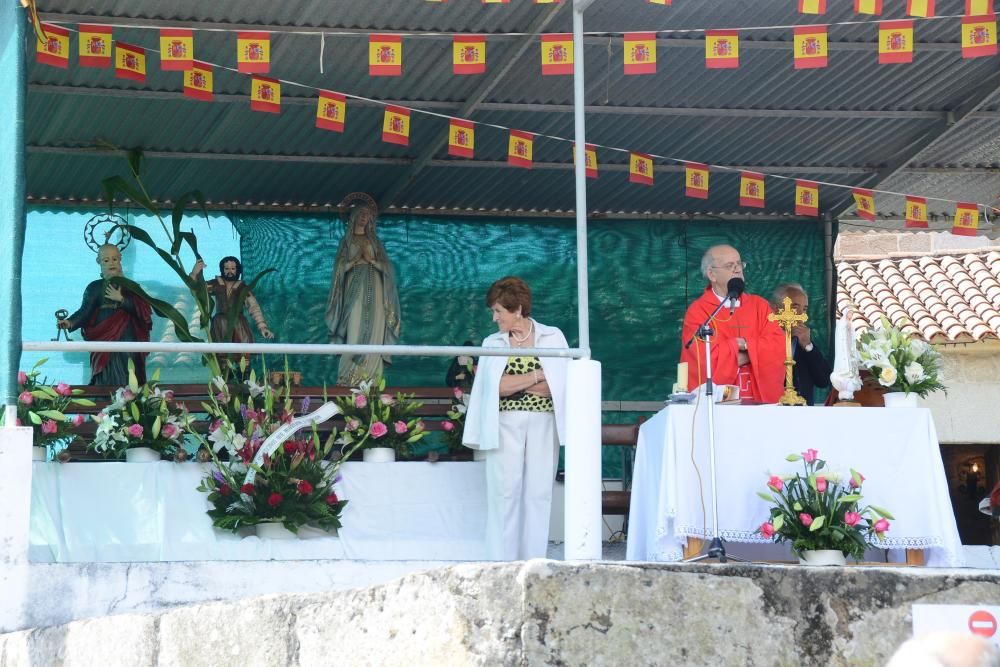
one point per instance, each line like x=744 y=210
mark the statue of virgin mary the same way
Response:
x=363 y=306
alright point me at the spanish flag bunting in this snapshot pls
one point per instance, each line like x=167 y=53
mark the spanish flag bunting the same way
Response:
x=640 y=168
x=385 y=55
x=396 y=126
x=130 y=62
x=978 y=7
x=895 y=42
x=253 y=52
x=640 y=53
x=590 y=157
x=658 y=2
x=468 y=54
x=810 y=46
x=751 y=189
x=873 y=7
x=696 y=180
x=865 y=203
x=265 y=94
x=95 y=45
x=806 y=198
x=979 y=36
x=722 y=49
x=966 y=219
x=519 y=148
x=176 y=49
x=557 y=54
x=461 y=138
x=198 y=82
x=812 y=6
x=921 y=8
x=55 y=49
x=331 y=111
x=916 y=212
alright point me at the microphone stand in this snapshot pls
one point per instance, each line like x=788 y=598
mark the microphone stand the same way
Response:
x=716 y=548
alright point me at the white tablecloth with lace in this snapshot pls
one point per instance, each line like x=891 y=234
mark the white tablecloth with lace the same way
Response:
x=123 y=512
x=895 y=448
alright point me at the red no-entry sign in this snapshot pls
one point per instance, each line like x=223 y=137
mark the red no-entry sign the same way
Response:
x=982 y=623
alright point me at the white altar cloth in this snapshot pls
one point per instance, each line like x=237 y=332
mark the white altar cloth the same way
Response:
x=125 y=512
x=896 y=449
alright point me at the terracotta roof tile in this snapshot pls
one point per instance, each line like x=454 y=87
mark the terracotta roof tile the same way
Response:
x=940 y=298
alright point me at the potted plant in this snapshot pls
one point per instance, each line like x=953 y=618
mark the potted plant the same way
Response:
x=44 y=406
x=389 y=424
x=821 y=516
x=907 y=367
x=142 y=422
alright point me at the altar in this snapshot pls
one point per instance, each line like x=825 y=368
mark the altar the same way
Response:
x=896 y=449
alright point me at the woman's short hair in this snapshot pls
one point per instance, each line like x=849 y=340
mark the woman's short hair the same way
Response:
x=510 y=292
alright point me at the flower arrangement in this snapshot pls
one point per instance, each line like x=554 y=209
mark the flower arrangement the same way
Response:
x=899 y=362
x=454 y=425
x=382 y=419
x=816 y=511
x=141 y=416
x=43 y=407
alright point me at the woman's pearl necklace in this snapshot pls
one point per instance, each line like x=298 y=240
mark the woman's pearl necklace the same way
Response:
x=531 y=328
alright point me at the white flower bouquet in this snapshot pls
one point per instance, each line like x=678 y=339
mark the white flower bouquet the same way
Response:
x=899 y=362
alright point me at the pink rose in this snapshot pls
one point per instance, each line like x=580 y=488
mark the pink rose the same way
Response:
x=78 y=420
x=881 y=526
x=855 y=485
x=852 y=518
x=168 y=431
x=806 y=519
x=49 y=427
x=378 y=429
x=127 y=395
x=810 y=455
x=775 y=483
x=135 y=430
x=25 y=398
x=458 y=393
x=63 y=389
x=767 y=529
x=821 y=484
x=387 y=399
x=400 y=427
x=22 y=378
x=360 y=401
x=448 y=426
x=352 y=424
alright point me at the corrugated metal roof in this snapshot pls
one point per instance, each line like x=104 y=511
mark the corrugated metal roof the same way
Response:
x=840 y=124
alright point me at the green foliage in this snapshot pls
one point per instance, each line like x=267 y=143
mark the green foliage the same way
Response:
x=384 y=420
x=44 y=407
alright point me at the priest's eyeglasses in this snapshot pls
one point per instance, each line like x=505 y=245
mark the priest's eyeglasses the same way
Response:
x=732 y=266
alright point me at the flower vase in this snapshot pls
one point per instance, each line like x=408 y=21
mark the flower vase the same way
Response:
x=39 y=454
x=379 y=455
x=141 y=455
x=823 y=557
x=274 y=530
x=900 y=399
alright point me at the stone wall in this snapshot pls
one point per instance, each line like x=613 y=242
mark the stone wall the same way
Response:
x=968 y=413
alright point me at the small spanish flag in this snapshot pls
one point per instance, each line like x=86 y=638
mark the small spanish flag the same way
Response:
x=921 y=8
x=176 y=49
x=396 y=126
x=590 y=157
x=331 y=111
x=696 y=180
x=812 y=6
x=810 y=46
x=557 y=53
x=461 y=138
x=966 y=219
x=468 y=54
x=658 y=2
x=130 y=62
x=385 y=55
x=95 y=45
x=873 y=7
x=519 y=148
x=865 y=203
x=895 y=42
x=55 y=49
x=253 y=52
x=979 y=36
x=198 y=82
x=806 y=198
x=640 y=168
x=265 y=94
x=722 y=49
x=751 y=189
x=640 y=53
x=978 y=7
x=916 y=212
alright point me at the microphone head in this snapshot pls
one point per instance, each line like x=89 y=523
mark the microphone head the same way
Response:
x=735 y=287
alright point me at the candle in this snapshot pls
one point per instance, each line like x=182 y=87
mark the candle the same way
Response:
x=682 y=377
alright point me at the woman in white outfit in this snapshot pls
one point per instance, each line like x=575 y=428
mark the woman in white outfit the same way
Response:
x=516 y=418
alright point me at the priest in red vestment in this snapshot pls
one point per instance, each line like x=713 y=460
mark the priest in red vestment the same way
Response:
x=748 y=350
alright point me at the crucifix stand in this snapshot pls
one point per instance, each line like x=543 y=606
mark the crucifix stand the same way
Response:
x=786 y=319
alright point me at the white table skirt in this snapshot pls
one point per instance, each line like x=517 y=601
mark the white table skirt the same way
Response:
x=125 y=512
x=896 y=449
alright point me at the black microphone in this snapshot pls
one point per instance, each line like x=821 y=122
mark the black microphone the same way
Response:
x=734 y=288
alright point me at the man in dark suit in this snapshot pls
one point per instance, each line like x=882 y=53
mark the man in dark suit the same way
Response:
x=811 y=369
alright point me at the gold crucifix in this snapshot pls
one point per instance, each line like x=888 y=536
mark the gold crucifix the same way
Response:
x=786 y=319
